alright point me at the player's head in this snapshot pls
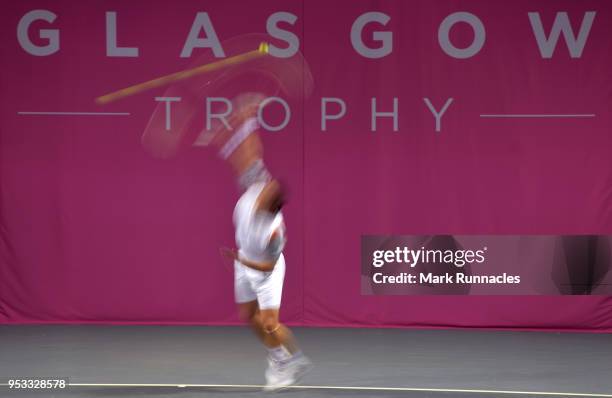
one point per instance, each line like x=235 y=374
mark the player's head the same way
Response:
x=272 y=198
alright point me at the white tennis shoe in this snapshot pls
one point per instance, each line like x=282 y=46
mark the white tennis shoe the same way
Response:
x=281 y=375
x=278 y=376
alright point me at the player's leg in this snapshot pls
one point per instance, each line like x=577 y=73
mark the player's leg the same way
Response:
x=249 y=312
x=246 y=298
x=280 y=373
x=275 y=333
x=287 y=363
x=269 y=289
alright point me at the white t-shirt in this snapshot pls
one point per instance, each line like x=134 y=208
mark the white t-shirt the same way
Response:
x=254 y=229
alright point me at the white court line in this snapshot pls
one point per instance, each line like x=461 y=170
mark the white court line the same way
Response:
x=76 y=113
x=346 y=388
x=537 y=115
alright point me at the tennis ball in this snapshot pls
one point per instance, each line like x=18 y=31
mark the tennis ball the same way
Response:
x=263 y=47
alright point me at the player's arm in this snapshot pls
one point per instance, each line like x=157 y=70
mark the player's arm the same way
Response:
x=264 y=267
x=259 y=266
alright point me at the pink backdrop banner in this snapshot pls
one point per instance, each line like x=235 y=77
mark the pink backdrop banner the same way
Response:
x=501 y=125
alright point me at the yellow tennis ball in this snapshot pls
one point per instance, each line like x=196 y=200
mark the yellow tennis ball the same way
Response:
x=263 y=47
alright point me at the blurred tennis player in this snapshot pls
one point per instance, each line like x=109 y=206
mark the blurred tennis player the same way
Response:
x=259 y=264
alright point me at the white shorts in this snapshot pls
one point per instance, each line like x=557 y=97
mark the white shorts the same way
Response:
x=265 y=287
